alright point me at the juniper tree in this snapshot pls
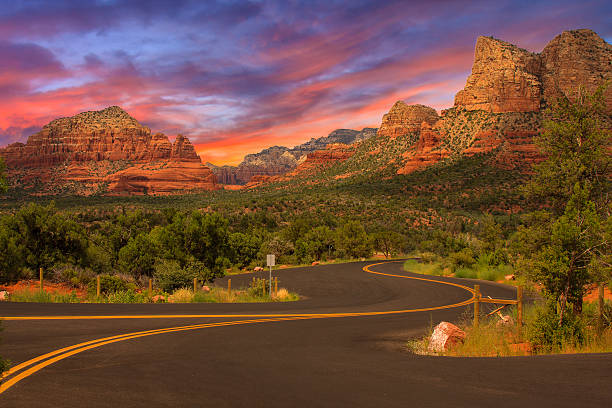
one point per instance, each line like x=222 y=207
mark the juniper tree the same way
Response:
x=570 y=243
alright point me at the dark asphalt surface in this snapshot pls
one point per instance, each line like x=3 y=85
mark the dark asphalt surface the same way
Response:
x=332 y=362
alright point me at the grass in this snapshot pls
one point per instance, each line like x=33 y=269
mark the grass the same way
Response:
x=38 y=296
x=215 y=295
x=425 y=268
x=491 y=339
x=485 y=272
x=220 y=295
x=493 y=273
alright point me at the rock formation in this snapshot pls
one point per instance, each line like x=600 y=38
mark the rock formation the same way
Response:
x=403 y=119
x=108 y=147
x=501 y=106
x=576 y=58
x=279 y=160
x=506 y=78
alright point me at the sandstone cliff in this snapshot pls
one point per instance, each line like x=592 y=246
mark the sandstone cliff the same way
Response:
x=94 y=150
x=501 y=106
x=506 y=78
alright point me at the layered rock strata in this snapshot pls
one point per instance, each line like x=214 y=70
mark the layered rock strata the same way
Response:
x=96 y=149
x=506 y=78
x=403 y=119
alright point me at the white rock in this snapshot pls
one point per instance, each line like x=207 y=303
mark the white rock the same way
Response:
x=444 y=336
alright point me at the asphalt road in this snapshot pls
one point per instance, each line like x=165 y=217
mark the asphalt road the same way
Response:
x=312 y=361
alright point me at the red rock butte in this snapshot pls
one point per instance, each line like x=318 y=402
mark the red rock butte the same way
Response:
x=107 y=151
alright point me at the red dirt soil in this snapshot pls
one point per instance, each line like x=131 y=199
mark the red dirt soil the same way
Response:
x=592 y=294
x=55 y=288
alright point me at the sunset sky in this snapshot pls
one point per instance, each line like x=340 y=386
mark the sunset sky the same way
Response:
x=238 y=76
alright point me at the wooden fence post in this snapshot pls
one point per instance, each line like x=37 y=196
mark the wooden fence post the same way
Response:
x=41 y=279
x=98 y=286
x=601 y=305
x=150 y=287
x=229 y=286
x=195 y=285
x=476 y=305
x=519 y=310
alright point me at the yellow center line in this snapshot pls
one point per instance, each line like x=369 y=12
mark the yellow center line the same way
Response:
x=60 y=354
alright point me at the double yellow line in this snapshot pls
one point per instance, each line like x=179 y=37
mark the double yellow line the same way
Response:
x=27 y=368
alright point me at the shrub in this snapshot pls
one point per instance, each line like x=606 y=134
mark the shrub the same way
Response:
x=465 y=257
x=111 y=284
x=169 y=276
x=127 y=296
x=258 y=287
x=546 y=333
x=72 y=274
x=182 y=295
x=429 y=257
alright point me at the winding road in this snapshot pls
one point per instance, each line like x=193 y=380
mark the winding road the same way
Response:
x=343 y=345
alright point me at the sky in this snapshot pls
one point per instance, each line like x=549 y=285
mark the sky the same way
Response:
x=239 y=76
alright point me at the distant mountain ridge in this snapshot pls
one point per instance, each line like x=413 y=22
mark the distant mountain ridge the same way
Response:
x=278 y=160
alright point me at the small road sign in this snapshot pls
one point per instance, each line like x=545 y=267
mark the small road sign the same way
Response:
x=271 y=260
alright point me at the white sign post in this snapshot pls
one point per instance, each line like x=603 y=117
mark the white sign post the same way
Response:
x=271 y=261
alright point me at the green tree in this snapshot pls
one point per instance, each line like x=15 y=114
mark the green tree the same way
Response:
x=207 y=240
x=138 y=256
x=353 y=241
x=388 y=242
x=570 y=244
x=315 y=245
x=243 y=248
x=46 y=237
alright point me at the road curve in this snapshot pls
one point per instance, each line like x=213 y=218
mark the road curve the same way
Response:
x=341 y=346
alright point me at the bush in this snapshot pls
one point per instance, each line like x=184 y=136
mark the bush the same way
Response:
x=73 y=275
x=182 y=295
x=111 y=284
x=464 y=258
x=429 y=257
x=169 y=276
x=545 y=333
x=127 y=296
x=258 y=287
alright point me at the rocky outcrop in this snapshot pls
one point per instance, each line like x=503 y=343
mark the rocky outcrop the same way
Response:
x=96 y=149
x=403 y=119
x=334 y=153
x=576 y=58
x=165 y=178
x=279 y=160
x=426 y=151
x=110 y=134
x=506 y=78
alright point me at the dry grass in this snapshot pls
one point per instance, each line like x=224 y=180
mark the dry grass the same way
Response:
x=182 y=295
x=491 y=339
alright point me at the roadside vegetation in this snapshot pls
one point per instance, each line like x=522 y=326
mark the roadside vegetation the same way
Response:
x=116 y=290
x=561 y=249
x=494 y=338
